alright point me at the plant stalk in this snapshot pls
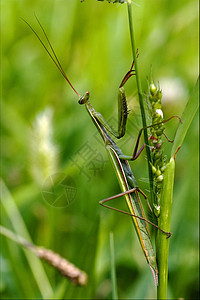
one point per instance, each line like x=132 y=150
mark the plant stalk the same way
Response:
x=162 y=243
x=140 y=94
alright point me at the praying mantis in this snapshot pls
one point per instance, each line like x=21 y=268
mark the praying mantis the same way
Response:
x=126 y=179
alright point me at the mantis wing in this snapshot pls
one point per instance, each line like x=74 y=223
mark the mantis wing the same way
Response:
x=135 y=208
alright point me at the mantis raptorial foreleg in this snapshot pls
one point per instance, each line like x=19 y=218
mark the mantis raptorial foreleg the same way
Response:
x=130 y=73
x=122 y=108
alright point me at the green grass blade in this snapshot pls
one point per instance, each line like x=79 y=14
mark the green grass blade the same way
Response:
x=187 y=117
x=20 y=228
x=113 y=271
x=162 y=243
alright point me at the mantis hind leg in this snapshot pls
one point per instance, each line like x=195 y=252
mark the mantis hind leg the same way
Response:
x=129 y=214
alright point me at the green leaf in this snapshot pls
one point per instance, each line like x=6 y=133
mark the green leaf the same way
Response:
x=113 y=268
x=187 y=117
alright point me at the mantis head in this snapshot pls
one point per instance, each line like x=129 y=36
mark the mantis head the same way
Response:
x=84 y=98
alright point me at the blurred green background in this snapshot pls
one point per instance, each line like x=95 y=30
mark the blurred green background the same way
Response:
x=45 y=132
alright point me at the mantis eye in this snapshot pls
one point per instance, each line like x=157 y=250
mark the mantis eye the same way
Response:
x=84 y=99
x=87 y=96
x=81 y=100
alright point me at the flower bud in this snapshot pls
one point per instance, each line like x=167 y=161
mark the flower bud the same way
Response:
x=160 y=178
x=153 y=88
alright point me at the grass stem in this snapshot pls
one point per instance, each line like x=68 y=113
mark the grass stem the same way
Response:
x=162 y=243
x=140 y=94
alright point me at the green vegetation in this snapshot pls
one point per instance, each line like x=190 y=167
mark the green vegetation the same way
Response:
x=45 y=132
